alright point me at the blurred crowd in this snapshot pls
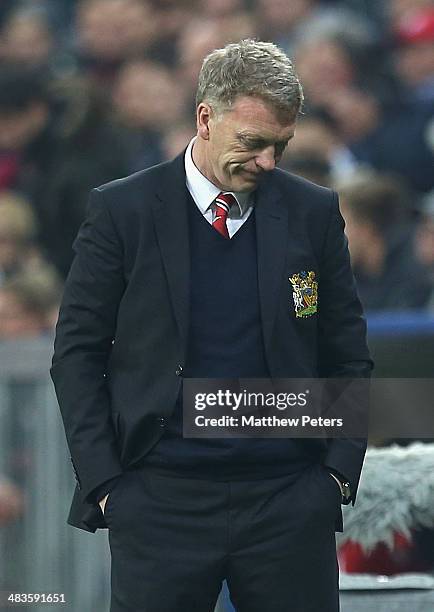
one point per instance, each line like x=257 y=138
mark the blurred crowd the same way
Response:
x=92 y=90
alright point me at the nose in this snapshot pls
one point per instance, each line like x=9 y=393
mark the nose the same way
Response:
x=265 y=159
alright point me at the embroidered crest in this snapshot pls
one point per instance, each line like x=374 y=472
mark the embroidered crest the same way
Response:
x=304 y=293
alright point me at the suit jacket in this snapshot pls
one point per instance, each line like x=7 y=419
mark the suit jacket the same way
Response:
x=122 y=332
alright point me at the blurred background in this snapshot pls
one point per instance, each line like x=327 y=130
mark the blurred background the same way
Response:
x=92 y=90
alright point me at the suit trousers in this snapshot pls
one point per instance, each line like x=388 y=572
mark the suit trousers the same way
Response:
x=174 y=540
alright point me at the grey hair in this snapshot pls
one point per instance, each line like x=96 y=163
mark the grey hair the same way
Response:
x=250 y=68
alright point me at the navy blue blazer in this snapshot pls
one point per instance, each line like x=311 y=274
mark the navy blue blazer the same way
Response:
x=123 y=324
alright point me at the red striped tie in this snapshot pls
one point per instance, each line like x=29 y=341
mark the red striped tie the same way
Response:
x=223 y=203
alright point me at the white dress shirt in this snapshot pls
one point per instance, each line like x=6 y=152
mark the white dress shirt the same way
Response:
x=204 y=193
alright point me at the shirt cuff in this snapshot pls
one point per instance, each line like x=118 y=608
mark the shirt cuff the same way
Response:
x=342 y=479
x=97 y=494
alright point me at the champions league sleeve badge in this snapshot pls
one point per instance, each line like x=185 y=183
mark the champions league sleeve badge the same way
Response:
x=304 y=293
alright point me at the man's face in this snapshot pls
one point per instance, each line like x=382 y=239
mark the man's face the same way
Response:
x=17 y=321
x=415 y=63
x=237 y=147
x=18 y=129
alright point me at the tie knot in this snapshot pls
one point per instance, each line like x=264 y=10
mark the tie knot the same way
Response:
x=224 y=201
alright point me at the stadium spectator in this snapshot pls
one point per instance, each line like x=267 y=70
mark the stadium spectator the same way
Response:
x=109 y=32
x=24 y=114
x=54 y=141
x=29 y=304
x=325 y=65
x=176 y=138
x=379 y=228
x=290 y=23
x=392 y=137
x=278 y=19
x=18 y=231
x=344 y=23
x=231 y=17
x=201 y=36
x=172 y=16
x=27 y=37
x=318 y=138
x=147 y=112
x=414 y=56
x=197 y=39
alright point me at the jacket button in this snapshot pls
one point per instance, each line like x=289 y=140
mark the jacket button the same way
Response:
x=179 y=370
x=161 y=421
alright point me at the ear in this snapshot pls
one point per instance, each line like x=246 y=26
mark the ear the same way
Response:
x=203 y=115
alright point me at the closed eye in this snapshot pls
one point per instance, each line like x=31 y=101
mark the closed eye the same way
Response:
x=253 y=144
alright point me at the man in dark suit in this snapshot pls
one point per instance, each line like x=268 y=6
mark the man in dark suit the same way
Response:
x=189 y=269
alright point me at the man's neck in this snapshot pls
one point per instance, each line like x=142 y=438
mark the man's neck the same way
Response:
x=200 y=160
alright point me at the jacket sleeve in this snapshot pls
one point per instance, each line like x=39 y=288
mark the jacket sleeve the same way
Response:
x=343 y=351
x=84 y=335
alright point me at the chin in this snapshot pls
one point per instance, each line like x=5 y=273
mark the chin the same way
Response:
x=249 y=184
x=241 y=186
x=244 y=183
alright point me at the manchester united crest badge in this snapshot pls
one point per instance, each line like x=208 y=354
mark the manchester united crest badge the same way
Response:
x=304 y=293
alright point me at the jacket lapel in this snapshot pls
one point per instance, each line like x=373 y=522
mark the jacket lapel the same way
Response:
x=272 y=244
x=171 y=224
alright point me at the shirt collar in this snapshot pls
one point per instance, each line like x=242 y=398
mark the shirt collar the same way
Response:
x=204 y=192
